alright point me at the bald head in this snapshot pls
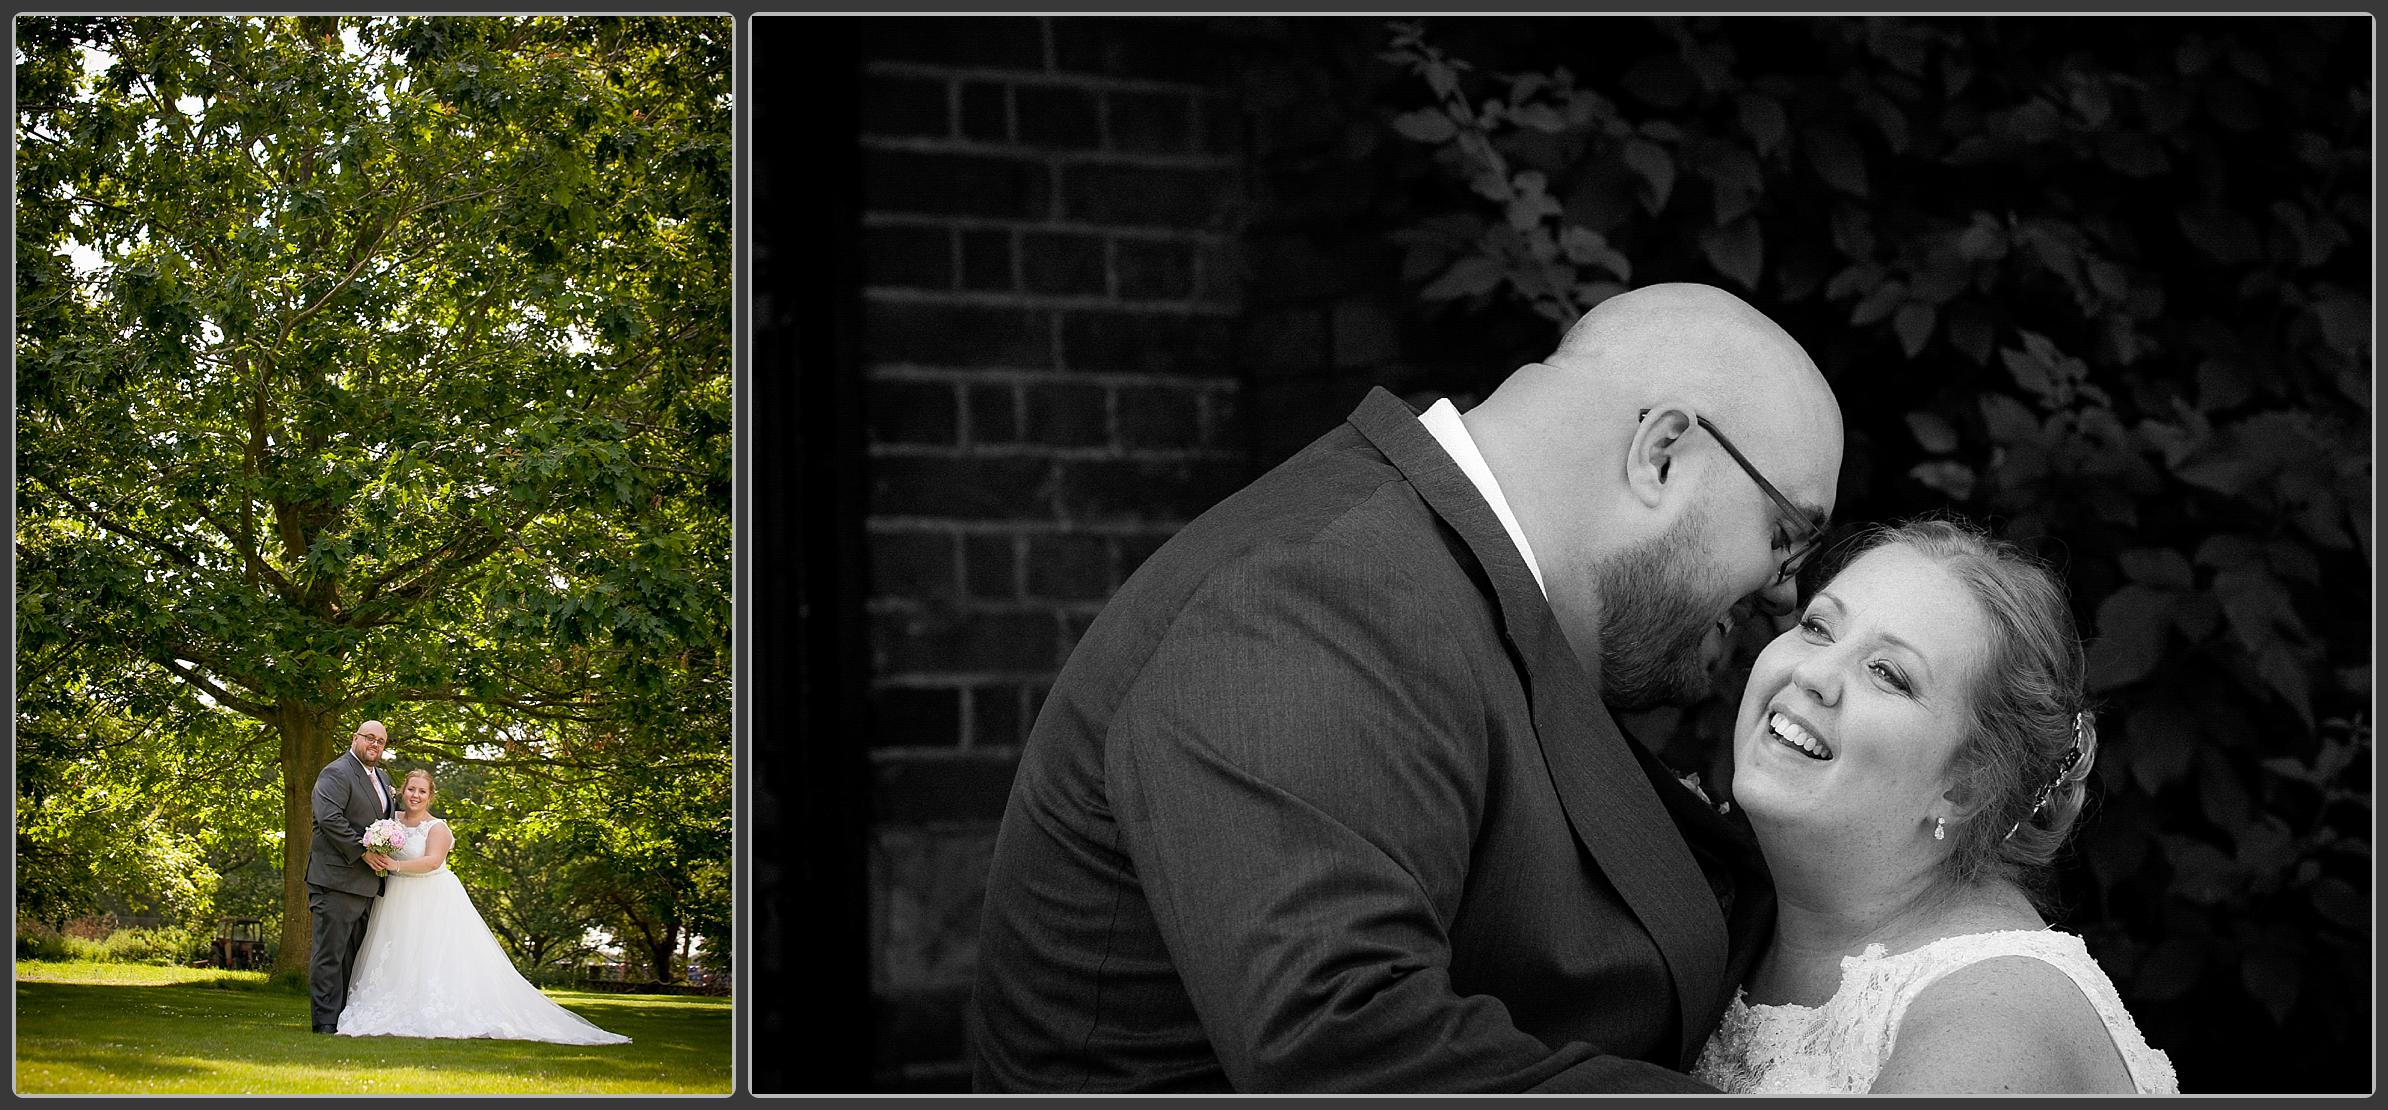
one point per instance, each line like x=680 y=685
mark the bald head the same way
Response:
x=369 y=741
x=1605 y=448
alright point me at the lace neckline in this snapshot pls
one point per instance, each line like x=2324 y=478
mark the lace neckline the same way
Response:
x=428 y=821
x=1874 y=954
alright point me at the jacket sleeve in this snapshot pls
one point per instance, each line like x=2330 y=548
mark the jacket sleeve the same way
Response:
x=1298 y=774
x=330 y=805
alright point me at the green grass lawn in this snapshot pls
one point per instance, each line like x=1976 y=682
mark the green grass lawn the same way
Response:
x=86 y=1028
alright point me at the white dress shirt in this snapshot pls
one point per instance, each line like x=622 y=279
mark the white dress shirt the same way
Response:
x=1442 y=420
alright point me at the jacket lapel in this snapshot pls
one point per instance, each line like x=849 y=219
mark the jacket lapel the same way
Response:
x=1611 y=804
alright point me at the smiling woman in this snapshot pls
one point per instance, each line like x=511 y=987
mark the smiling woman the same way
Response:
x=1910 y=754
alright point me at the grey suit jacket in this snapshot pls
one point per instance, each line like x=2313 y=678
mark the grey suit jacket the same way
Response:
x=1324 y=801
x=344 y=804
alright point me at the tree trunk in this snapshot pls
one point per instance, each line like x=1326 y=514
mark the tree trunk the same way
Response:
x=306 y=747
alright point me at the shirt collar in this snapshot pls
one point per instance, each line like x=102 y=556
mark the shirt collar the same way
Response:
x=1443 y=422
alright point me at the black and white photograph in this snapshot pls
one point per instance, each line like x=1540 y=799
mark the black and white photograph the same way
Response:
x=1500 y=554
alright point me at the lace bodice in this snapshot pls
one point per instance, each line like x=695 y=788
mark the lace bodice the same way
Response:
x=418 y=838
x=1841 y=1046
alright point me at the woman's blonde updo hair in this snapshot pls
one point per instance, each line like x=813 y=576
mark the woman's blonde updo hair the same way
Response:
x=2021 y=774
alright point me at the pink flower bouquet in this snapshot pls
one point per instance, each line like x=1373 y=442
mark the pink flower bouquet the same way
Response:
x=384 y=836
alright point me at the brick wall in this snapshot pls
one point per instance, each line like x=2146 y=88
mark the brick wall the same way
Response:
x=1050 y=349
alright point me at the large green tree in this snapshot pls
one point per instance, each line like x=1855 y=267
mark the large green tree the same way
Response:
x=376 y=368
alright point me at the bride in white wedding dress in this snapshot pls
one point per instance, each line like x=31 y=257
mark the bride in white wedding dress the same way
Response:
x=1911 y=757
x=428 y=966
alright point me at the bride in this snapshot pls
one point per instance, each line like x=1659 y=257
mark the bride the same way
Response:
x=428 y=966
x=1911 y=755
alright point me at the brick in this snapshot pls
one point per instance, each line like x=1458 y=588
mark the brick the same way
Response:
x=962 y=489
x=957 y=335
x=1069 y=567
x=941 y=642
x=1142 y=491
x=1064 y=264
x=916 y=565
x=987 y=260
x=955 y=184
x=1035 y=694
x=1066 y=414
x=994 y=414
x=904 y=107
x=987 y=111
x=1149 y=122
x=995 y=41
x=1291 y=267
x=1058 y=118
x=1285 y=341
x=1223 y=424
x=909 y=792
x=912 y=412
x=908 y=257
x=1152 y=49
x=990 y=568
x=915 y=717
x=995 y=716
x=927 y=885
x=1155 y=269
x=1156 y=343
x=1152 y=416
x=1219 y=126
x=1135 y=548
x=1146 y=195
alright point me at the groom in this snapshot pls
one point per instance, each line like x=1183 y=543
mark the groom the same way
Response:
x=350 y=793
x=1329 y=797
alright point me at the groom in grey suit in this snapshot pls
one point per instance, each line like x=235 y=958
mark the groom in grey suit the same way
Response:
x=350 y=793
x=1329 y=797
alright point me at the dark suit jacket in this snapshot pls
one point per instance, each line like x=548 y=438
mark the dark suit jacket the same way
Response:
x=344 y=804
x=1324 y=801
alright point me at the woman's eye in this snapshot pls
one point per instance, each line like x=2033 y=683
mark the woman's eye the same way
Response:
x=1813 y=628
x=1891 y=675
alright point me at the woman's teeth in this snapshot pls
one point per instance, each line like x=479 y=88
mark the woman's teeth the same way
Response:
x=1789 y=732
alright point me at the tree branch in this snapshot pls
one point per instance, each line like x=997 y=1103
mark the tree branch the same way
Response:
x=222 y=696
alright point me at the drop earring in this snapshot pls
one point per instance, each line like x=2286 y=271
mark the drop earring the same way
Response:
x=1940 y=828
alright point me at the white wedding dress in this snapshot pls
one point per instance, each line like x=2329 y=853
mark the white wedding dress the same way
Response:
x=429 y=968
x=1841 y=1046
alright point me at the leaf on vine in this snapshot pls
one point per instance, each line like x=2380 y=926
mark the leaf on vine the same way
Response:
x=2340 y=903
x=2289 y=676
x=1836 y=159
x=1951 y=478
x=1762 y=120
x=1472 y=276
x=1914 y=324
x=2270 y=977
x=2224 y=235
x=2160 y=567
x=1969 y=331
x=1539 y=117
x=2133 y=154
x=1736 y=250
x=2200 y=872
x=2132 y=622
x=1586 y=247
x=1932 y=432
x=1879 y=303
x=1426 y=125
x=2346 y=324
x=2169 y=972
x=1657 y=169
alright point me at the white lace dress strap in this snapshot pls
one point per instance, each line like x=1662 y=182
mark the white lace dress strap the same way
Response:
x=1842 y=1045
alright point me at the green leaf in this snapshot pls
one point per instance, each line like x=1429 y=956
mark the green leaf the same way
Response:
x=1762 y=119
x=1932 y=432
x=1879 y=303
x=1914 y=324
x=2271 y=977
x=1735 y=250
x=2132 y=622
x=1947 y=476
x=2160 y=568
x=1836 y=159
x=1474 y=275
x=1426 y=125
x=1656 y=168
x=2220 y=233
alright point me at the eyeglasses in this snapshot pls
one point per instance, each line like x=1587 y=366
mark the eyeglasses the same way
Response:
x=1815 y=534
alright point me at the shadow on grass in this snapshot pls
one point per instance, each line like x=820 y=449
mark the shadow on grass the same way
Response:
x=132 y=1037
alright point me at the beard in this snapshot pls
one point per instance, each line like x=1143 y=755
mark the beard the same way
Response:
x=1656 y=607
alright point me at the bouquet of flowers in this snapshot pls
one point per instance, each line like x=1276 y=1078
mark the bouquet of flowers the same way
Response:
x=384 y=836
